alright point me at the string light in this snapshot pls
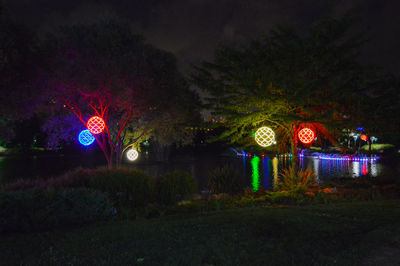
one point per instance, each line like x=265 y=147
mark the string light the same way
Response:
x=85 y=137
x=132 y=154
x=265 y=136
x=306 y=135
x=96 y=124
x=321 y=156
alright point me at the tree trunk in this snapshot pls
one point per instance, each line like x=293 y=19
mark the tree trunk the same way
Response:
x=293 y=146
x=117 y=157
x=369 y=146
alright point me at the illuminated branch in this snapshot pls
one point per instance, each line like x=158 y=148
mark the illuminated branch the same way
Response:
x=123 y=126
x=72 y=110
x=95 y=110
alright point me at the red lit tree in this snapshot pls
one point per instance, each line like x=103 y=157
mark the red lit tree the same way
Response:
x=105 y=70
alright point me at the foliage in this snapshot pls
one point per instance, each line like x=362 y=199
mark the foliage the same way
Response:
x=76 y=178
x=18 y=97
x=377 y=147
x=288 y=197
x=126 y=187
x=31 y=210
x=185 y=207
x=105 y=70
x=384 y=100
x=225 y=180
x=287 y=80
x=173 y=187
x=292 y=180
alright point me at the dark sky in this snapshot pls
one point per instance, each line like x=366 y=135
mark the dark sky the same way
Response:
x=192 y=29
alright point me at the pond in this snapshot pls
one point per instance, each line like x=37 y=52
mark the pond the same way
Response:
x=264 y=171
x=259 y=171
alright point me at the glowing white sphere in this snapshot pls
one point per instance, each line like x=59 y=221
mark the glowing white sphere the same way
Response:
x=265 y=136
x=132 y=154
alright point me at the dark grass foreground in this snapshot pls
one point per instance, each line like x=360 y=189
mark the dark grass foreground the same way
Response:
x=337 y=234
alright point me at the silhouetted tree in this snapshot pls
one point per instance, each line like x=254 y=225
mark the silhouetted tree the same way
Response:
x=17 y=87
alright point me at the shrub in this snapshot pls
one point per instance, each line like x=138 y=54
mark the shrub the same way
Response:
x=126 y=187
x=184 y=208
x=225 y=180
x=292 y=180
x=32 y=210
x=174 y=187
x=289 y=197
x=79 y=177
x=75 y=178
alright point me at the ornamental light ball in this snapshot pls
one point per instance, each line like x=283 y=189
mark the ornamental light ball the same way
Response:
x=96 y=125
x=265 y=136
x=132 y=155
x=306 y=135
x=85 y=137
x=363 y=137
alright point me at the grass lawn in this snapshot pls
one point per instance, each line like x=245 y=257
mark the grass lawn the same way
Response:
x=336 y=234
x=377 y=147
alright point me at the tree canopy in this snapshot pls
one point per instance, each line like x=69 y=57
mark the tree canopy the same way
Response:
x=286 y=81
x=17 y=87
x=106 y=70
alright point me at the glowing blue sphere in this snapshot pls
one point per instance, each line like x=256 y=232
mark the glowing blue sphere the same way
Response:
x=85 y=137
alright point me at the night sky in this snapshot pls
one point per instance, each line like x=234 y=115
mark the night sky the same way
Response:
x=192 y=29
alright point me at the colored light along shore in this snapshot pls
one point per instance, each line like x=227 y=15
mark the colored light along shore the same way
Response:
x=355 y=158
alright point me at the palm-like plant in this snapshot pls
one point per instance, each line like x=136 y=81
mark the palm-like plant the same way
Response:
x=292 y=180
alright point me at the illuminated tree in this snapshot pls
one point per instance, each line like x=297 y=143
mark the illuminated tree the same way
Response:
x=286 y=81
x=104 y=70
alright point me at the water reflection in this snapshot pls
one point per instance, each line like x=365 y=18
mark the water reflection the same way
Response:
x=267 y=167
x=259 y=171
x=374 y=169
x=255 y=173
x=275 y=171
x=264 y=173
x=315 y=166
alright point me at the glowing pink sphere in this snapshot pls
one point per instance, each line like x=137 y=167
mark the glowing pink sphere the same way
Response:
x=96 y=124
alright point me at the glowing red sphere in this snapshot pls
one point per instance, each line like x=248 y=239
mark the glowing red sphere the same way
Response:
x=96 y=124
x=363 y=137
x=306 y=135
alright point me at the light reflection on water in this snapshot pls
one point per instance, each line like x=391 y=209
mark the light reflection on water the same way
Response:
x=268 y=169
x=260 y=172
x=255 y=173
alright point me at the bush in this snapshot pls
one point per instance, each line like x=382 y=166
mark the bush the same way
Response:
x=126 y=187
x=225 y=180
x=32 y=210
x=174 y=187
x=289 y=197
x=290 y=180
x=75 y=178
